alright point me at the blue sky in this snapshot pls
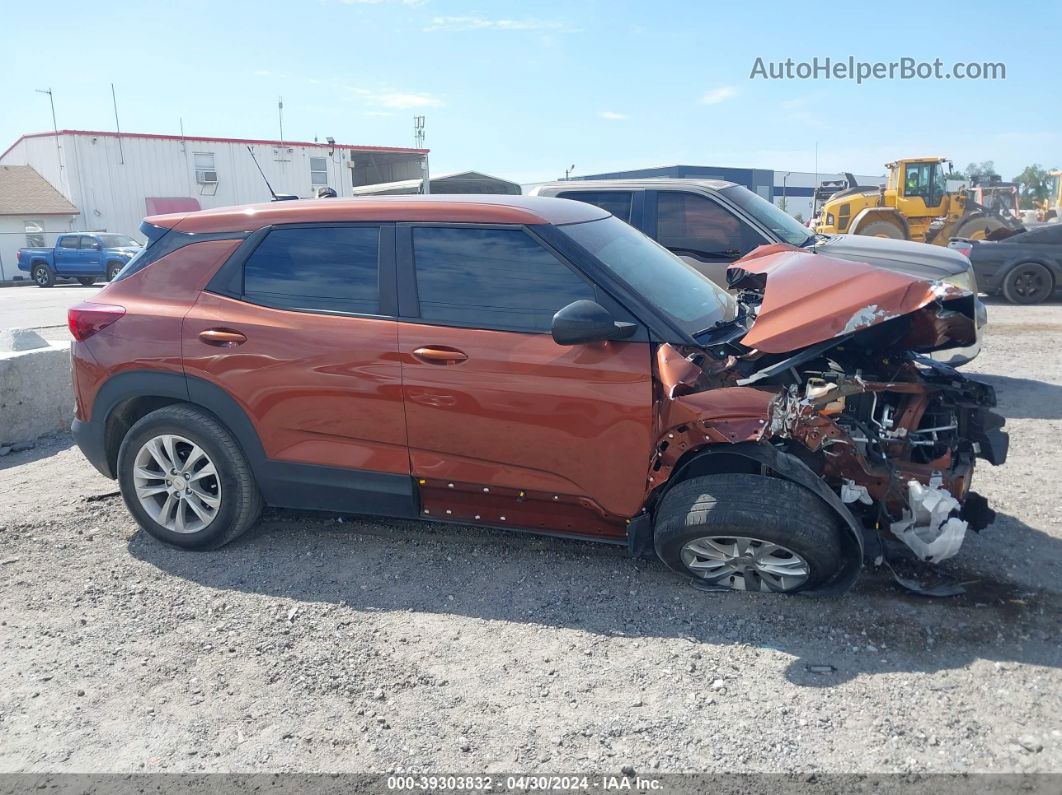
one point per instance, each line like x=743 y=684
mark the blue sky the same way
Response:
x=524 y=89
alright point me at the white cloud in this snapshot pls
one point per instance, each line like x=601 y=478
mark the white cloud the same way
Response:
x=399 y=101
x=482 y=23
x=611 y=115
x=717 y=95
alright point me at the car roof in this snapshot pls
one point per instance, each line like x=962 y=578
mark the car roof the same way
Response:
x=643 y=182
x=446 y=208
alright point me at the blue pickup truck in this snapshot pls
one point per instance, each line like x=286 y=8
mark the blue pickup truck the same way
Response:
x=85 y=256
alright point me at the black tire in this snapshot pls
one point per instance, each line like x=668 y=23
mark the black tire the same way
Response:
x=882 y=229
x=979 y=227
x=43 y=275
x=112 y=270
x=769 y=510
x=86 y=281
x=1028 y=283
x=241 y=502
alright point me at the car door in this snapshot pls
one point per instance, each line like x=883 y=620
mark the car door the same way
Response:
x=703 y=232
x=91 y=254
x=66 y=253
x=305 y=340
x=505 y=426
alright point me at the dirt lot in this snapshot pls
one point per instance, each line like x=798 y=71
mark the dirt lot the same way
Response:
x=325 y=645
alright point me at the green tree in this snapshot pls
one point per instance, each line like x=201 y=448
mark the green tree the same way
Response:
x=1032 y=185
x=975 y=172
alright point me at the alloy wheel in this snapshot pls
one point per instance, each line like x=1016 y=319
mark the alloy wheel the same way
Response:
x=176 y=483
x=745 y=564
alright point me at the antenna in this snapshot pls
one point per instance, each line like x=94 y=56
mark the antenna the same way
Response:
x=418 y=138
x=117 y=126
x=277 y=197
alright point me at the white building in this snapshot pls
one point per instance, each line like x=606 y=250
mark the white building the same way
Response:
x=116 y=180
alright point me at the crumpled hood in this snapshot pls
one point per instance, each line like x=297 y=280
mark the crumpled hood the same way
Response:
x=810 y=298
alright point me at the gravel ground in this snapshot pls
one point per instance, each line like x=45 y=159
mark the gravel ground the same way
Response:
x=320 y=644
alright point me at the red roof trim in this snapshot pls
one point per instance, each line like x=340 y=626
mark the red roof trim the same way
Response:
x=161 y=137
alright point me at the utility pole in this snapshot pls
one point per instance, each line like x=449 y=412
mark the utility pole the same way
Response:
x=784 y=178
x=418 y=138
x=55 y=126
x=280 y=117
x=568 y=171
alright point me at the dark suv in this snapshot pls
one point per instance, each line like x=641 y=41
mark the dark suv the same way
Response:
x=530 y=363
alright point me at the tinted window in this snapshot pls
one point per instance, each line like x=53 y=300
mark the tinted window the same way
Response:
x=67 y=242
x=617 y=202
x=317 y=268
x=697 y=225
x=491 y=278
x=88 y=243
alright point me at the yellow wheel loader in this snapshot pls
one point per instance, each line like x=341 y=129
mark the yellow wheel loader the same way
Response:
x=1052 y=206
x=914 y=204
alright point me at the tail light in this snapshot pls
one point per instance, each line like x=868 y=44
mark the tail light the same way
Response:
x=87 y=318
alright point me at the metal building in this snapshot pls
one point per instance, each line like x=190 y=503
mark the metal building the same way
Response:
x=116 y=180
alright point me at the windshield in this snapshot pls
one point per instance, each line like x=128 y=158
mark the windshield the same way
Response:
x=117 y=241
x=691 y=300
x=788 y=228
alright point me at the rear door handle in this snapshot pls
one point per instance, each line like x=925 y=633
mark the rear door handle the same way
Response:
x=438 y=354
x=222 y=337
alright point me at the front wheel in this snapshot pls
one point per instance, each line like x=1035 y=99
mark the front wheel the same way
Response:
x=113 y=270
x=1028 y=283
x=185 y=479
x=748 y=533
x=43 y=275
x=883 y=229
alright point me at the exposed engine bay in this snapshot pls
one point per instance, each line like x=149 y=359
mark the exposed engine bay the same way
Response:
x=894 y=433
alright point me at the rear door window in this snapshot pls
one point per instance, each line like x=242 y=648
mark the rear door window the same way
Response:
x=688 y=223
x=617 y=202
x=327 y=269
x=491 y=278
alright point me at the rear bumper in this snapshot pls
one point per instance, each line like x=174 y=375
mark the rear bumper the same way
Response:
x=90 y=439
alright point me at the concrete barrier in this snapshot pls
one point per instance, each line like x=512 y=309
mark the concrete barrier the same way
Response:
x=36 y=396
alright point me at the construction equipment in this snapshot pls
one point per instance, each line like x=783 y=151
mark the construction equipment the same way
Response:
x=914 y=204
x=1051 y=208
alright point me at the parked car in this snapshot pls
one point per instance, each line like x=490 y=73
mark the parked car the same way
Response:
x=1025 y=268
x=711 y=223
x=85 y=256
x=537 y=364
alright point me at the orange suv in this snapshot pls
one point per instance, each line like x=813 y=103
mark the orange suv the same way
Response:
x=534 y=364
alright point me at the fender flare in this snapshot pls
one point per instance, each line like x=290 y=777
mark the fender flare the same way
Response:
x=893 y=215
x=792 y=468
x=152 y=383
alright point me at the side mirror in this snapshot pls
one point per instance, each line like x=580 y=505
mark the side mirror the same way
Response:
x=584 y=321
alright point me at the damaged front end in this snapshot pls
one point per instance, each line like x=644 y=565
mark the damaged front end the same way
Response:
x=838 y=380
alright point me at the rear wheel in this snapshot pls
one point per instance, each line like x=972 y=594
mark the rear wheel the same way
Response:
x=43 y=275
x=882 y=229
x=185 y=479
x=1028 y=283
x=748 y=533
x=86 y=281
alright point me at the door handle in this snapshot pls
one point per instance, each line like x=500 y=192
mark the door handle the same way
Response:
x=437 y=354
x=222 y=337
